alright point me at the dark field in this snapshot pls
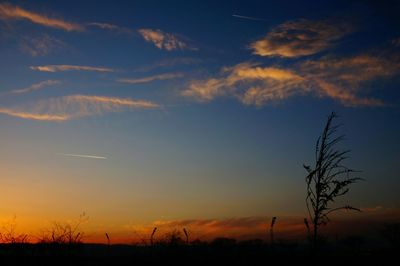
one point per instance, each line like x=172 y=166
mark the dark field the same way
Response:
x=205 y=254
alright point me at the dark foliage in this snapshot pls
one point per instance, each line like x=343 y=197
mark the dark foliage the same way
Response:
x=328 y=179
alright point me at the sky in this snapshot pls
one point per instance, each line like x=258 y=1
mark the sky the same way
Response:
x=192 y=113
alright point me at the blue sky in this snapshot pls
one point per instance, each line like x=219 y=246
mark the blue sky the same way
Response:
x=202 y=109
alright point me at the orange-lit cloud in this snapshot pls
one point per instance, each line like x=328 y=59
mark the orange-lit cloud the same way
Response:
x=207 y=229
x=164 y=40
x=8 y=12
x=250 y=83
x=299 y=38
x=75 y=106
x=344 y=95
x=111 y=102
x=286 y=227
x=257 y=227
x=34 y=116
x=41 y=45
x=37 y=86
x=56 y=68
x=342 y=79
x=164 y=76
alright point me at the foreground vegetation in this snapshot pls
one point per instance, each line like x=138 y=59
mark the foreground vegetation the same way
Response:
x=221 y=251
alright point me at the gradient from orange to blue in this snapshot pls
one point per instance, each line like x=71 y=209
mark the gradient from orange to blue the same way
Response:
x=191 y=113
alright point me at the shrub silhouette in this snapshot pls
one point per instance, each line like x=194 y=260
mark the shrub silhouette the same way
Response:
x=65 y=233
x=173 y=238
x=328 y=178
x=9 y=235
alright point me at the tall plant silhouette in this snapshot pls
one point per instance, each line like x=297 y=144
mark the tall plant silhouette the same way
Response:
x=328 y=178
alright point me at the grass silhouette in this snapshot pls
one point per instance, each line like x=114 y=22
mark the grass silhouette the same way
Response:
x=328 y=179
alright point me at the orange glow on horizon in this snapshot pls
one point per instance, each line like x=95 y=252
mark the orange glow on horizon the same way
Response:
x=289 y=228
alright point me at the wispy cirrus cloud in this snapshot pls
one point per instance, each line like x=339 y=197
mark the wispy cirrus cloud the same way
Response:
x=170 y=62
x=300 y=38
x=248 y=17
x=11 y=12
x=342 y=79
x=33 y=115
x=37 y=86
x=346 y=79
x=57 y=68
x=111 y=27
x=164 y=76
x=250 y=83
x=41 y=45
x=75 y=106
x=164 y=40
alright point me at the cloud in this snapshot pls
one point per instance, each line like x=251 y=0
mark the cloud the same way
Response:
x=152 y=78
x=373 y=209
x=82 y=156
x=170 y=62
x=346 y=78
x=37 y=86
x=164 y=40
x=56 y=68
x=75 y=106
x=256 y=227
x=396 y=42
x=33 y=116
x=253 y=227
x=40 y=46
x=8 y=12
x=111 y=27
x=342 y=79
x=250 y=83
x=239 y=228
x=248 y=18
x=299 y=38
x=232 y=223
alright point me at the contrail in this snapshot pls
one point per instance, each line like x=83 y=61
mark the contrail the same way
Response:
x=249 y=18
x=82 y=156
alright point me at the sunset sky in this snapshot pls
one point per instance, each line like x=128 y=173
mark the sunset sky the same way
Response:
x=191 y=113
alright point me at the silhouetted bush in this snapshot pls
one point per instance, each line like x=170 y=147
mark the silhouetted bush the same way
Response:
x=391 y=232
x=64 y=233
x=172 y=238
x=9 y=235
